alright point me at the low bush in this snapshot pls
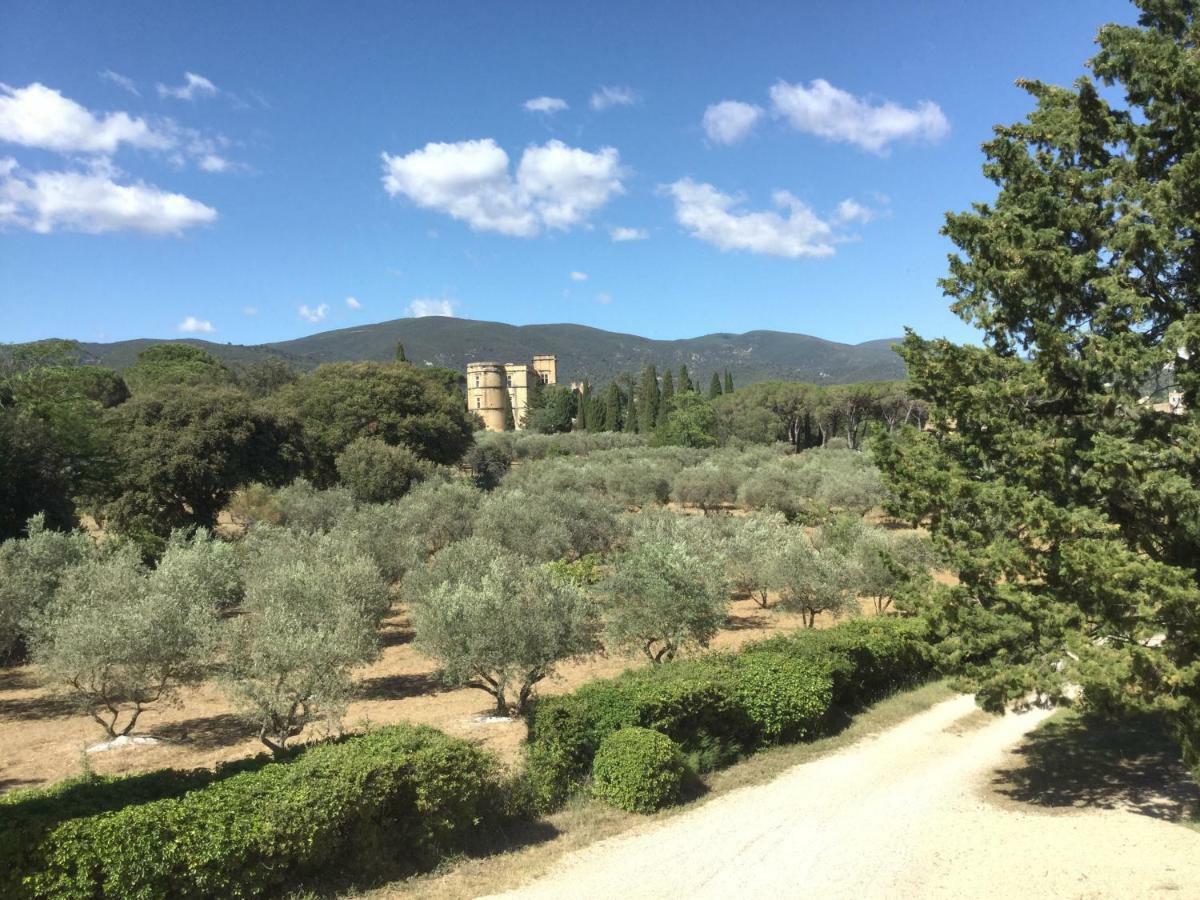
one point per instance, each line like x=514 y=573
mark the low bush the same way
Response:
x=638 y=770
x=720 y=706
x=402 y=795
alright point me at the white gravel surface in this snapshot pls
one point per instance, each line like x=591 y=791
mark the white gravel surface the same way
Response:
x=908 y=813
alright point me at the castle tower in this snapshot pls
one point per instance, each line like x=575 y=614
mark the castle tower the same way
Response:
x=486 y=383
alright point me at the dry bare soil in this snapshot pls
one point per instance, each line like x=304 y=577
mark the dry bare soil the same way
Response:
x=43 y=738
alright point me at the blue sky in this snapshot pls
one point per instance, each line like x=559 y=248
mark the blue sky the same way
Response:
x=250 y=172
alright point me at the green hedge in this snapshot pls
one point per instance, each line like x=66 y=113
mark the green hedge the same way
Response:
x=405 y=795
x=638 y=770
x=721 y=706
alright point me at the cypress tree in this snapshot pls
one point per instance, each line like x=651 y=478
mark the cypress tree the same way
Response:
x=612 y=408
x=400 y=357
x=665 y=396
x=510 y=422
x=714 y=387
x=648 y=399
x=728 y=382
x=583 y=419
x=685 y=383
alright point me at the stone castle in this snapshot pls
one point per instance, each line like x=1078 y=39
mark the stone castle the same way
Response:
x=487 y=383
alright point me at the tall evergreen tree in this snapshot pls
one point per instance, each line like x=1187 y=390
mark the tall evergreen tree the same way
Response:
x=400 y=357
x=612 y=407
x=647 y=399
x=1068 y=503
x=728 y=382
x=583 y=417
x=714 y=387
x=685 y=382
x=665 y=396
x=510 y=422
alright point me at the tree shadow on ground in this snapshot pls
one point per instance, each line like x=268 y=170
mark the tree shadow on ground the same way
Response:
x=47 y=707
x=1076 y=761
x=16 y=679
x=395 y=635
x=14 y=784
x=397 y=687
x=206 y=732
x=745 y=623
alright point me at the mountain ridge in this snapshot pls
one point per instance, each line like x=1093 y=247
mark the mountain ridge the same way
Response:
x=584 y=352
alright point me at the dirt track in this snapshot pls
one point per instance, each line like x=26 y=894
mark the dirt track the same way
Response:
x=910 y=813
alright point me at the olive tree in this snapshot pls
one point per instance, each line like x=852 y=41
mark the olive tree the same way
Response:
x=503 y=625
x=311 y=613
x=707 y=486
x=120 y=637
x=30 y=570
x=815 y=579
x=752 y=553
x=664 y=594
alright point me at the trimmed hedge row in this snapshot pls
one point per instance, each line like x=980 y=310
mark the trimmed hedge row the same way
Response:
x=638 y=770
x=403 y=794
x=722 y=706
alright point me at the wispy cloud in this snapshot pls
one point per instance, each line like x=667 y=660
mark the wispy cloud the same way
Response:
x=730 y=121
x=249 y=310
x=555 y=187
x=547 y=105
x=121 y=81
x=837 y=115
x=424 y=306
x=604 y=299
x=193 y=86
x=192 y=325
x=313 y=314
x=353 y=303
x=579 y=276
x=621 y=233
x=608 y=96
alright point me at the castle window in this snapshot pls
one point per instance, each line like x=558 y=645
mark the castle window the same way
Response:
x=477 y=403
x=476 y=381
x=545 y=376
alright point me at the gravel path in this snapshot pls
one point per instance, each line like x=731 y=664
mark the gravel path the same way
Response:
x=904 y=814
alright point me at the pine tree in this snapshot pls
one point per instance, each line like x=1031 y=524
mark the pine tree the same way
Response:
x=665 y=396
x=648 y=399
x=728 y=382
x=685 y=383
x=714 y=387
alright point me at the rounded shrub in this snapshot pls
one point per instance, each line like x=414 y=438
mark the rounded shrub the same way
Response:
x=638 y=770
x=786 y=697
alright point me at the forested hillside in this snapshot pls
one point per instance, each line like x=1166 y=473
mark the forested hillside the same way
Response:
x=582 y=352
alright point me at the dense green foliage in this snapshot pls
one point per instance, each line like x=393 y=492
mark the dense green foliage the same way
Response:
x=1066 y=496
x=174 y=365
x=397 y=798
x=394 y=402
x=375 y=472
x=638 y=770
x=717 y=706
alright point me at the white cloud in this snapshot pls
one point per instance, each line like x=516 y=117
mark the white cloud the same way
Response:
x=121 y=81
x=249 y=310
x=212 y=162
x=837 y=115
x=579 y=276
x=548 y=105
x=850 y=211
x=729 y=121
x=604 y=299
x=607 y=96
x=193 y=86
x=620 y=233
x=425 y=306
x=38 y=116
x=715 y=218
x=192 y=325
x=555 y=186
x=93 y=202
x=353 y=303
x=313 y=315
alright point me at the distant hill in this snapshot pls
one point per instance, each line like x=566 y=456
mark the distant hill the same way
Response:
x=582 y=352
